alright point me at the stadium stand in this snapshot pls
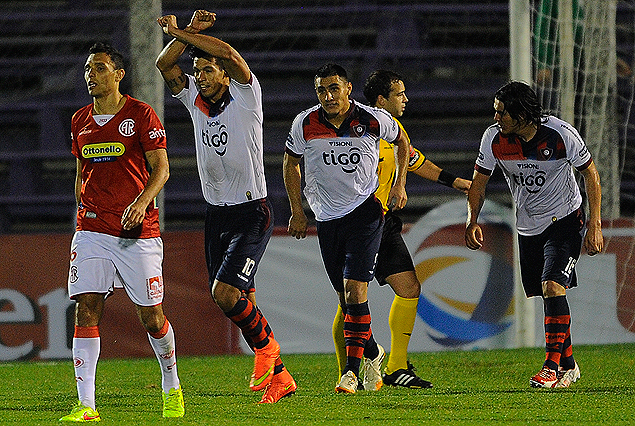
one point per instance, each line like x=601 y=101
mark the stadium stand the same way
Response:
x=452 y=54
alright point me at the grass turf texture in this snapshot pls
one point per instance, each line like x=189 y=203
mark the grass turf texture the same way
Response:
x=478 y=387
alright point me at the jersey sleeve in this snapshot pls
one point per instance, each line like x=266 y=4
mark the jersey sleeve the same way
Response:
x=486 y=162
x=295 y=143
x=248 y=95
x=577 y=150
x=152 y=134
x=416 y=158
x=74 y=130
x=389 y=128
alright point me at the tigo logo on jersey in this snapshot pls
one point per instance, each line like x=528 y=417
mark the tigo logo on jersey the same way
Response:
x=347 y=160
x=106 y=151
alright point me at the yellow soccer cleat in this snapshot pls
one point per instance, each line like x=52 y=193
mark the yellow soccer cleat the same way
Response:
x=81 y=413
x=173 y=405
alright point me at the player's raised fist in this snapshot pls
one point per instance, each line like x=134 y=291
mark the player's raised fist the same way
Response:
x=167 y=22
x=202 y=20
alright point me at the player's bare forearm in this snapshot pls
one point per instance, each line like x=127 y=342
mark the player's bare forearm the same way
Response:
x=133 y=215
x=293 y=185
x=398 y=197
x=593 y=241
x=476 y=197
x=78 y=181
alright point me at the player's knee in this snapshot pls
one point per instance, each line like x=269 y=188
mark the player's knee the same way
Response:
x=552 y=289
x=225 y=295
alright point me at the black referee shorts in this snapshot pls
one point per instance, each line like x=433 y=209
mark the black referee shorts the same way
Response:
x=552 y=255
x=394 y=256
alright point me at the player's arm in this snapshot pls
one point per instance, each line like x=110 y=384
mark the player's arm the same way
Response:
x=78 y=182
x=475 y=200
x=293 y=183
x=234 y=64
x=431 y=171
x=133 y=214
x=593 y=240
x=167 y=60
x=397 y=197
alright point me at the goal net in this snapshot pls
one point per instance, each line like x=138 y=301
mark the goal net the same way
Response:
x=583 y=69
x=582 y=60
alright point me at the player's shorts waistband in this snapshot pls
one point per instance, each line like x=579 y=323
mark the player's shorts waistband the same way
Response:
x=247 y=205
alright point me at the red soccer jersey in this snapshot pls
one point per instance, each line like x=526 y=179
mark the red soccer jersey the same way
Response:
x=114 y=169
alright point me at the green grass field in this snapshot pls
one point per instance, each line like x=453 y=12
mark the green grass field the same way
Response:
x=479 y=387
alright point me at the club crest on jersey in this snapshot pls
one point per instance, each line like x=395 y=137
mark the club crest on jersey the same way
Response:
x=126 y=127
x=359 y=130
x=546 y=153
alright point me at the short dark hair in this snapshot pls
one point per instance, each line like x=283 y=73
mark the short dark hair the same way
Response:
x=115 y=55
x=329 y=70
x=379 y=83
x=521 y=102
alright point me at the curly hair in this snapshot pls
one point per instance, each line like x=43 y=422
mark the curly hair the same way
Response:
x=521 y=102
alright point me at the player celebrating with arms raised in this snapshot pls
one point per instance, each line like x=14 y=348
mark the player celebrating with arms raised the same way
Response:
x=225 y=103
x=537 y=154
x=117 y=242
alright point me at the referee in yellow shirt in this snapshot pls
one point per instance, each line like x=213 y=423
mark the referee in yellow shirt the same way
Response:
x=385 y=89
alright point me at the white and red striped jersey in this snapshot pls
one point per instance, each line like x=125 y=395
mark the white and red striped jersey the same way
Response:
x=228 y=138
x=340 y=164
x=539 y=173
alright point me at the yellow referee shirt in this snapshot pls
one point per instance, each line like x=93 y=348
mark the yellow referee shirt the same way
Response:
x=387 y=168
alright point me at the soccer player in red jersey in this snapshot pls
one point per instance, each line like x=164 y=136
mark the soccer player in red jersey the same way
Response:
x=537 y=154
x=117 y=242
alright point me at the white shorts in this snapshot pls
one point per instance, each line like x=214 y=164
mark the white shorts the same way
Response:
x=102 y=262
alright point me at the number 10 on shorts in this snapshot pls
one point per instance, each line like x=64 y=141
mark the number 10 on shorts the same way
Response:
x=249 y=267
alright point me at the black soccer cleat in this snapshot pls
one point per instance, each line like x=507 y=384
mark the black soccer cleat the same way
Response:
x=406 y=378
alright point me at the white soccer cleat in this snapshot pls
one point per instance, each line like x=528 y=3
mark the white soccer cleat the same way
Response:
x=372 y=371
x=347 y=384
x=566 y=377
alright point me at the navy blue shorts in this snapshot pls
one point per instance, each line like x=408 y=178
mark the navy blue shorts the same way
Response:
x=235 y=240
x=552 y=255
x=394 y=256
x=349 y=245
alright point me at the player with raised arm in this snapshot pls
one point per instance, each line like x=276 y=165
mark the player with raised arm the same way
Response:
x=225 y=103
x=339 y=142
x=122 y=164
x=385 y=89
x=537 y=154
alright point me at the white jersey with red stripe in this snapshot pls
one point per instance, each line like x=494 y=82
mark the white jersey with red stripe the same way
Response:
x=539 y=173
x=229 y=146
x=340 y=164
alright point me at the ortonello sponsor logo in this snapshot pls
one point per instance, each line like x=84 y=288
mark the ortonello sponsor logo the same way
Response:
x=105 y=151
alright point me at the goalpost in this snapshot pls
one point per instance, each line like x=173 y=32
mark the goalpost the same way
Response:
x=578 y=55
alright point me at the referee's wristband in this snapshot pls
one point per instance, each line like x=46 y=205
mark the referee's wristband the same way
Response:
x=446 y=178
